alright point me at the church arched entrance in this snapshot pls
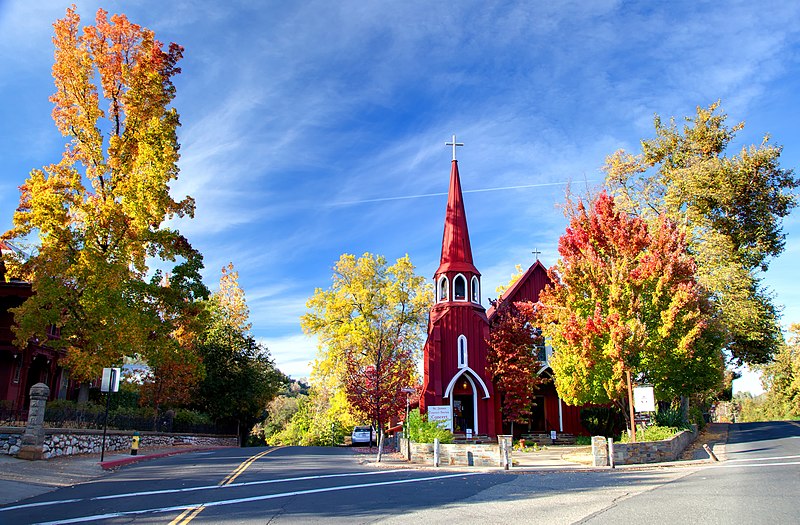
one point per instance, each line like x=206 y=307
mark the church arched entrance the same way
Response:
x=464 y=405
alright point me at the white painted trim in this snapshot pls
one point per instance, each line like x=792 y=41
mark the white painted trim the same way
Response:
x=474 y=405
x=560 y=415
x=475 y=283
x=466 y=288
x=461 y=372
x=439 y=297
x=465 y=363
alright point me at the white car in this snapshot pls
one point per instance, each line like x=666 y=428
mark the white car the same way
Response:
x=363 y=435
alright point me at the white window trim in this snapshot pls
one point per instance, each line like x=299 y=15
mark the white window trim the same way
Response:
x=465 y=362
x=466 y=288
x=475 y=288
x=439 y=296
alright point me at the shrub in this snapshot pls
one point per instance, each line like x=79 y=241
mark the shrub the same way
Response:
x=671 y=417
x=602 y=421
x=420 y=430
x=651 y=433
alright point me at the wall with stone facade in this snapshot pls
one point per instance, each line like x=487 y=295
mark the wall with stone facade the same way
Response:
x=455 y=454
x=67 y=442
x=653 y=451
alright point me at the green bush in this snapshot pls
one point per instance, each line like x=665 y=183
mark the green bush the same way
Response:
x=651 y=433
x=602 y=421
x=420 y=430
x=671 y=417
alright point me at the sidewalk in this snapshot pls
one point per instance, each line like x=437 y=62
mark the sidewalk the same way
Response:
x=561 y=457
x=21 y=479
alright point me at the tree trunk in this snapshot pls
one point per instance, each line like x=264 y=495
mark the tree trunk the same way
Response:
x=83 y=393
x=380 y=445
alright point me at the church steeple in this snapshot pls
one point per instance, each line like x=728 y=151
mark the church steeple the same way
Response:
x=456 y=250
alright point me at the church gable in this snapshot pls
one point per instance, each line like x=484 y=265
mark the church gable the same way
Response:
x=526 y=288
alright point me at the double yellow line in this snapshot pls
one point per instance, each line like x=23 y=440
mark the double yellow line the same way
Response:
x=189 y=514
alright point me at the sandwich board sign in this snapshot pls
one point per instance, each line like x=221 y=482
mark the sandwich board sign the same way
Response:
x=442 y=414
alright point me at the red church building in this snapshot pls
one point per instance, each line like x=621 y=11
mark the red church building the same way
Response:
x=455 y=353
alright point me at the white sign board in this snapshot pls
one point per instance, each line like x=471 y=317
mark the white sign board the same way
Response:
x=442 y=414
x=110 y=382
x=643 y=399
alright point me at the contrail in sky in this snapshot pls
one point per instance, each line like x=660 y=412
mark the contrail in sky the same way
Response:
x=421 y=195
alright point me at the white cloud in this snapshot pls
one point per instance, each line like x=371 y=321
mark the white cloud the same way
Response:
x=293 y=354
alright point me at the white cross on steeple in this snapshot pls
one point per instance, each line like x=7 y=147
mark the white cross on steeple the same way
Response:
x=537 y=253
x=454 y=144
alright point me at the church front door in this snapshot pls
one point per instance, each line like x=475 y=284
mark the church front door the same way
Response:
x=463 y=413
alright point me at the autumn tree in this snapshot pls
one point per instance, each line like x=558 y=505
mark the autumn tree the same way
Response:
x=781 y=379
x=95 y=221
x=240 y=376
x=369 y=325
x=731 y=208
x=512 y=359
x=624 y=298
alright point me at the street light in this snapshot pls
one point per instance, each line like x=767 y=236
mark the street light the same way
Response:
x=408 y=391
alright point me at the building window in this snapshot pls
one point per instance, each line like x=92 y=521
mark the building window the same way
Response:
x=476 y=290
x=462 y=351
x=17 y=371
x=460 y=288
x=442 y=291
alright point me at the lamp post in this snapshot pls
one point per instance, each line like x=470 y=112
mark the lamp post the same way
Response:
x=408 y=391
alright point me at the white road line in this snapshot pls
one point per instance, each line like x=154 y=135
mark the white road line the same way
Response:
x=745 y=465
x=763 y=459
x=251 y=499
x=205 y=487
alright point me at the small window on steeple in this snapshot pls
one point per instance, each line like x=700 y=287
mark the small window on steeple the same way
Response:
x=460 y=288
x=476 y=290
x=462 y=351
x=442 y=289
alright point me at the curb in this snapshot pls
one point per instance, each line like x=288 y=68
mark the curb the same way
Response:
x=117 y=463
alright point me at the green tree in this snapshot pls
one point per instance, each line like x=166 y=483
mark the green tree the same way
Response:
x=240 y=376
x=624 y=299
x=731 y=208
x=781 y=379
x=370 y=325
x=94 y=221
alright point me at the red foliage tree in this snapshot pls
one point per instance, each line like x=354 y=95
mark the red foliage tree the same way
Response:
x=512 y=359
x=376 y=389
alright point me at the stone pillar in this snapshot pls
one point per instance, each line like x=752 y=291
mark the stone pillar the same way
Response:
x=599 y=451
x=506 y=443
x=33 y=438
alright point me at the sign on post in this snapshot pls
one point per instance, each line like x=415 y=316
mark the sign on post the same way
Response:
x=442 y=415
x=644 y=399
x=110 y=381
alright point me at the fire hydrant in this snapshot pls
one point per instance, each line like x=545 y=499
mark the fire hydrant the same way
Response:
x=135 y=443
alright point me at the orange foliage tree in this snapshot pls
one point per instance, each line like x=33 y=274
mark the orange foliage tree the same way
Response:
x=625 y=298
x=95 y=220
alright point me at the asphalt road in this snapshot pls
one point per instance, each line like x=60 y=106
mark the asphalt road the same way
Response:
x=760 y=483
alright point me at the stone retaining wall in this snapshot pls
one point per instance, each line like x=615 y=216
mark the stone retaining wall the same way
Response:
x=644 y=451
x=67 y=442
x=461 y=454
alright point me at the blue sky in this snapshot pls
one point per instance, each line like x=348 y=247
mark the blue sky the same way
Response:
x=303 y=122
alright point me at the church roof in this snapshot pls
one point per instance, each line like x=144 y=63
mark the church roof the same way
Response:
x=456 y=249
x=526 y=288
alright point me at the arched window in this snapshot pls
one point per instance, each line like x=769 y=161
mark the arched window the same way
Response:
x=476 y=290
x=462 y=351
x=460 y=288
x=442 y=289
